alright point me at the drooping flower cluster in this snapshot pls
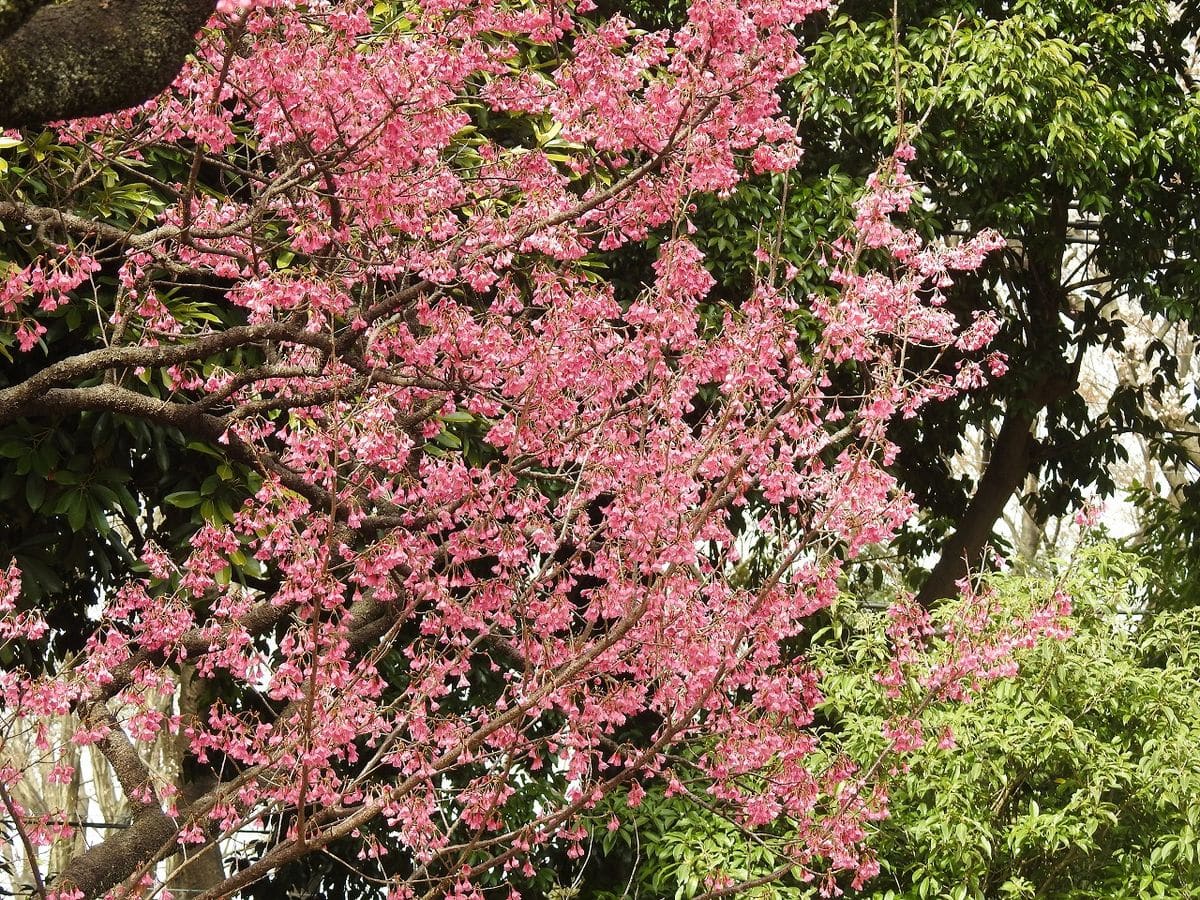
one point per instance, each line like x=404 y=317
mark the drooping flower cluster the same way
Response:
x=501 y=506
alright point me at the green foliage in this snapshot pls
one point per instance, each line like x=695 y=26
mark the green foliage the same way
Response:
x=1080 y=778
x=669 y=846
x=1170 y=536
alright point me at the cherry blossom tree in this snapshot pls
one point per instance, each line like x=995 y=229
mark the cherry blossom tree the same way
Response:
x=495 y=510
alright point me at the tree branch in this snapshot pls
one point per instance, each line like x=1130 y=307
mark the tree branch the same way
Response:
x=89 y=57
x=151 y=836
x=16 y=401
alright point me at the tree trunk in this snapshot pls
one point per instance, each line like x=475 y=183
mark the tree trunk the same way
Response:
x=1008 y=465
x=1013 y=457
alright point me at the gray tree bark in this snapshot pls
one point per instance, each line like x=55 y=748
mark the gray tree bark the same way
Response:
x=89 y=57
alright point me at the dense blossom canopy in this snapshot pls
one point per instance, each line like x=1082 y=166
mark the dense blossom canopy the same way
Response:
x=499 y=508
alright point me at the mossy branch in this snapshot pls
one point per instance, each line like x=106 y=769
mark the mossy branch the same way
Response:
x=89 y=57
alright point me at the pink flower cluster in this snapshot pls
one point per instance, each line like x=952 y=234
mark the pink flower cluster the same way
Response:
x=49 y=281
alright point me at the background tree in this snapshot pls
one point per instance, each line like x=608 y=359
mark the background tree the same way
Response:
x=1065 y=127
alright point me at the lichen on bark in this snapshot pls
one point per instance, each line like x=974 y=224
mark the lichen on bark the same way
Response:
x=89 y=57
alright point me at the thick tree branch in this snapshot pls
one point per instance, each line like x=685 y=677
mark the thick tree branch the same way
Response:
x=80 y=226
x=132 y=773
x=106 y=862
x=14 y=14
x=209 y=428
x=89 y=57
x=17 y=401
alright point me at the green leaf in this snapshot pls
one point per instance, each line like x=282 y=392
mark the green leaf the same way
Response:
x=77 y=512
x=35 y=492
x=449 y=440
